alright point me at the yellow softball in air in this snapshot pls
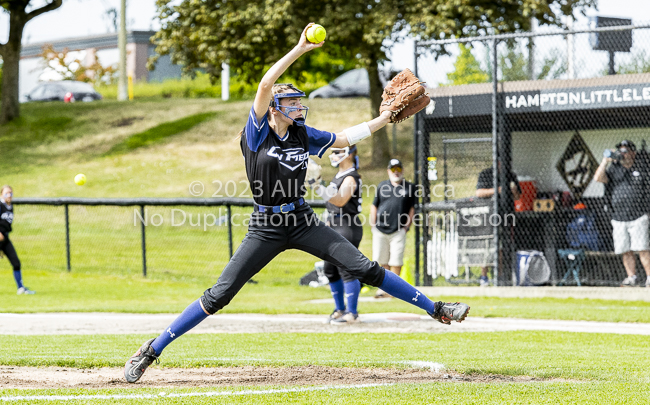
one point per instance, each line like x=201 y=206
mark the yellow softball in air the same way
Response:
x=80 y=179
x=316 y=34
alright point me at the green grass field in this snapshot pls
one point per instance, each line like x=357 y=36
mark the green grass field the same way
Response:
x=438 y=393
x=570 y=367
x=156 y=147
x=89 y=292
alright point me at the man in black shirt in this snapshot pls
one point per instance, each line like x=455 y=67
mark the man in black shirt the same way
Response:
x=626 y=180
x=391 y=215
x=485 y=189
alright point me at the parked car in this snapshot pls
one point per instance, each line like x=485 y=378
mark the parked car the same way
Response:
x=353 y=83
x=64 y=90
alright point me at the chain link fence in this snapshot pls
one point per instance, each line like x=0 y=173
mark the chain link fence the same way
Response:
x=539 y=140
x=174 y=239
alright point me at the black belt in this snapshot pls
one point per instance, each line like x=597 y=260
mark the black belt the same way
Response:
x=279 y=209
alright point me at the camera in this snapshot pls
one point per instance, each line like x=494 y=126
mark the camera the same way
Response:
x=616 y=155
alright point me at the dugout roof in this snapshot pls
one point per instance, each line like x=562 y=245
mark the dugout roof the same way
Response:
x=609 y=102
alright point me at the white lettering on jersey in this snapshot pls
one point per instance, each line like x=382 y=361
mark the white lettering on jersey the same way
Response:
x=290 y=156
x=7 y=216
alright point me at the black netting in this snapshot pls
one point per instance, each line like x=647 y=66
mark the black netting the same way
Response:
x=565 y=106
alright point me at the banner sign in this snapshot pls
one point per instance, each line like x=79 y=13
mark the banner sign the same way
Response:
x=578 y=98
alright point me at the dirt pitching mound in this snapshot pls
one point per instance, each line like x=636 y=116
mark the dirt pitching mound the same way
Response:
x=58 y=377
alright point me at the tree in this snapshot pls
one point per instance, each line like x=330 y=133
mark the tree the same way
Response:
x=467 y=69
x=514 y=65
x=250 y=35
x=10 y=51
x=639 y=63
x=69 y=68
x=553 y=66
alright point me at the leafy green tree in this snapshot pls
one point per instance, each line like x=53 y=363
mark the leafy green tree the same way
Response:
x=69 y=68
x=640 y=63
x=10 y=51
x=554 y=65
x=467 y=70
x=514 y=65
x=251 y=35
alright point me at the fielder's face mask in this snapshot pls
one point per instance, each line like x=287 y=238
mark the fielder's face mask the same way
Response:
x=295 y=93
x=340 y=154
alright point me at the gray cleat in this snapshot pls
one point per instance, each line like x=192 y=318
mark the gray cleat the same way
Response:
x=336 y=314
x=348 y=318
x=450 y=311
x=138 y=363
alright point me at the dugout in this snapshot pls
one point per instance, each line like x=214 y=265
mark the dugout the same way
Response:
x=552 y=134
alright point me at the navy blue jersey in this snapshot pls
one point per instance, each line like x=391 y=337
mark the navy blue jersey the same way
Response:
x=353 y=206
x=6 y=217
x=276 y=167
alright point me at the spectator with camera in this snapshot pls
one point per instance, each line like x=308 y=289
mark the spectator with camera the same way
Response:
x=626 y=180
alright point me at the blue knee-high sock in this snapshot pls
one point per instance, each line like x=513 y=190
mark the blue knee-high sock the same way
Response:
x=337 y=294
x=19 y=278
x=399 y=288
x=192 y=316
x=352 y=289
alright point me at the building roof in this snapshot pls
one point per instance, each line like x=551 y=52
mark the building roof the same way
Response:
x=104 y=41
x=531 y=85
x=616 y=101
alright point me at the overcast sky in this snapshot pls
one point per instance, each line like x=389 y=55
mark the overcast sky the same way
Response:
x=76 y=18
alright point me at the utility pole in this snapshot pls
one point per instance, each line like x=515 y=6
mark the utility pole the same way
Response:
x=531 y=51
x=225 y=82
x=122 y=92
x=571 y=73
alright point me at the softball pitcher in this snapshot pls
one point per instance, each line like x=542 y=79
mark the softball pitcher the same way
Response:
x=276 y=145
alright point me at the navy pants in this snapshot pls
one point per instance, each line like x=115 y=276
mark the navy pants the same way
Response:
x=8 y=249
x=353 y=233
x=269 y=235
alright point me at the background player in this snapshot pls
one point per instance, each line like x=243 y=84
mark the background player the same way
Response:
x=6 y=219
x=276 y=145
x=344 y=208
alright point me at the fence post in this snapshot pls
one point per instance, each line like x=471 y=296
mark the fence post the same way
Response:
x=416 y=139
x=229 y=230
x=67 y=237
x=495 y=152
x=144 y=246
x=418 y=238
x=445 y=179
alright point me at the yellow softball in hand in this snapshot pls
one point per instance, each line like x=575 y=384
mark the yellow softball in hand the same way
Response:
x=316 y=34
